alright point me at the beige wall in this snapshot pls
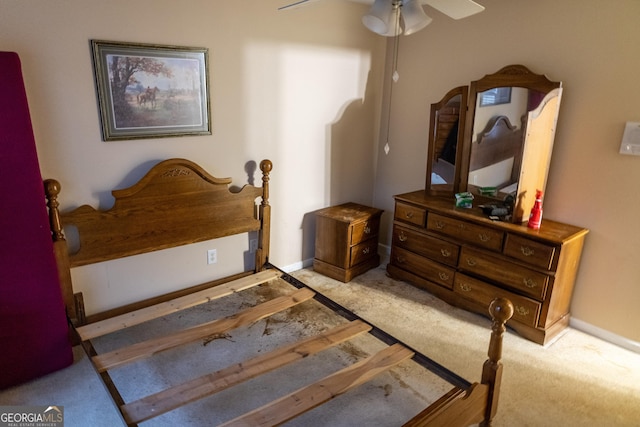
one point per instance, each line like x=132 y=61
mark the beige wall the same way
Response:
x=593 y=48
x=303 y=88
x=299 y=87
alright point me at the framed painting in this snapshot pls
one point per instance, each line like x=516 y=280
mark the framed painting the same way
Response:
x=151 y=91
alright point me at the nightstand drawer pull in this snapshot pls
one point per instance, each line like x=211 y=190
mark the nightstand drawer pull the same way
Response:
x=443 y=276
x=367 y=229
x=521 y=311
x=529 y=283
x=445 y=253
x=483 y=237
x=366 y=250
x=409 y=215
x=465 y=288
x=439 y=225
x=401 y=260
x=526 y=251
x=402 y=237
x=471 y=262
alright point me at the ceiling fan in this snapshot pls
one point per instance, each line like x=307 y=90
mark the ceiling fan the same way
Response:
x=394 y=17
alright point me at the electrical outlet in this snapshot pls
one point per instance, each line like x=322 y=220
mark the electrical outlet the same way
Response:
x=212 y=256
x=253 y=245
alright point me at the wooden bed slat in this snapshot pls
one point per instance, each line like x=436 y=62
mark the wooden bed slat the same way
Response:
x=150 y=347
x=174 y=397
x=123 y=321
x=307 y=398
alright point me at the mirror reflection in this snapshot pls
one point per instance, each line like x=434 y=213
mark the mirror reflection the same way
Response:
x=446 y=141
x=497 y=139
x=447 y=130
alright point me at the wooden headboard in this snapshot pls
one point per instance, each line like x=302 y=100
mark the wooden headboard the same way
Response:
x=500 y=140
x=175 y=203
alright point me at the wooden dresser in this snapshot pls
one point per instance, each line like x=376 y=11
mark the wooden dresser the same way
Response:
x=346 y=240
x=464 y=258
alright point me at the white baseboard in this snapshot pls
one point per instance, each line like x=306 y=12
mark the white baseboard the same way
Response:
x=297 y=265
x=605 y=335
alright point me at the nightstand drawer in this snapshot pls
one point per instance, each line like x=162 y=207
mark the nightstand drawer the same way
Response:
x=427 y=246
x=469 y=232
x=529 y=251
x=521 y=279
x=525 y=310
x=423 y=267
x=410 y=214
x=365 y=230
x=362 y=252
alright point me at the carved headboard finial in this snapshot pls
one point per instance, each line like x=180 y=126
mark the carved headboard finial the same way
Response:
x=265 y=166
x=51 y=191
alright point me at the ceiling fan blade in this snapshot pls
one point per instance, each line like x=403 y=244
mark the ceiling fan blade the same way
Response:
x=456 y=9
x=295 y=4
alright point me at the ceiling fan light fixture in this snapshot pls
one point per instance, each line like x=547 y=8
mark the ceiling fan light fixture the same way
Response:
x=414 y=17
x=380 y=18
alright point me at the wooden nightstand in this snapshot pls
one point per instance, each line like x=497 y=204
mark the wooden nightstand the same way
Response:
x=346 y=240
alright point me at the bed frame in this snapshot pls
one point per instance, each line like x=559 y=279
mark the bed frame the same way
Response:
x=178 y=203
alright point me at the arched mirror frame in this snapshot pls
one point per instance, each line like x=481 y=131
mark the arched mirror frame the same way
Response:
x=435 y=129
x=509 y=76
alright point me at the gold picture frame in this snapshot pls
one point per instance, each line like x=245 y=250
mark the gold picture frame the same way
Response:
x=151 y=91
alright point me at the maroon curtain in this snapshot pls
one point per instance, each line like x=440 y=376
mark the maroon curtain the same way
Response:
x=33 y=326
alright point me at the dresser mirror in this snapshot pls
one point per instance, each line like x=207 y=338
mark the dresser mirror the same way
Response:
x=447 y=131
x=504 y=142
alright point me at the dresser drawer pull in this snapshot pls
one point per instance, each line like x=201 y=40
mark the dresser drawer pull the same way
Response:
x=526 y=251
x=462 y=226
x=483 y=237
x=409 y=215
x=464 y=287
x=443 y=276
x=402 y=237
x=439 y=225
x=445 y=253
x=529 y=283
x=471 y=262
x=366 y=251
x=521 y=311
x=367 y=229
x=400 y=259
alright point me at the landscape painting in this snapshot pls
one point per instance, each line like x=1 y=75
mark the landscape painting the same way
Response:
x=151 y=91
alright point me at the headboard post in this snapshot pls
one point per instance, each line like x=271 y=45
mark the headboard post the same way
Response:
x=501 y=310
x=51 y=190
x=262 y=254
x=73 y=303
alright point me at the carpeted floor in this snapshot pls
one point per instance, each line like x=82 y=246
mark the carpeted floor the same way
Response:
x=576 y=381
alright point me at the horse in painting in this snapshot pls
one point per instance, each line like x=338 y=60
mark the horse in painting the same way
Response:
x=148 y=97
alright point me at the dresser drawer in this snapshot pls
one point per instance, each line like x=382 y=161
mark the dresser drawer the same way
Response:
x=410 y=214
x=521 y=279
x=364 y=230
x=525 y=310
x=363 y=252
x=423 y=267
x=472 y=233
x=529 y=251
x=427 y=246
